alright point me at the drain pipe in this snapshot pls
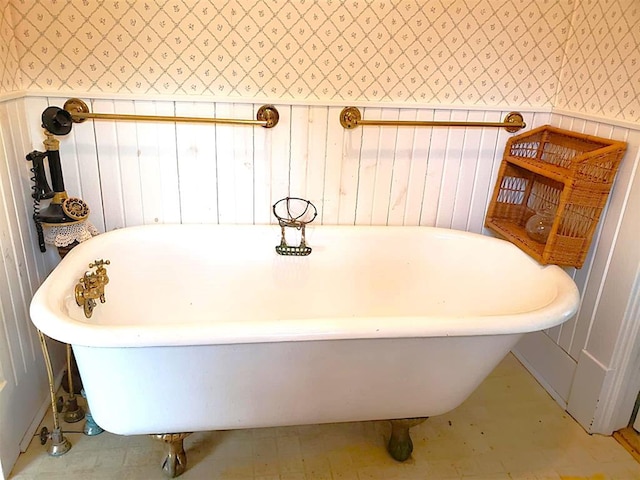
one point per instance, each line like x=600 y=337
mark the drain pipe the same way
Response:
x=74 y=412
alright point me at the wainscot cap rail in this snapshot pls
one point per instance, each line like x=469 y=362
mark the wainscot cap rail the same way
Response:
x=266 y=117
x=350 y=117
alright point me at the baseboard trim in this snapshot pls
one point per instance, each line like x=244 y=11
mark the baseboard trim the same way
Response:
x=540 y=379
x=551 y=366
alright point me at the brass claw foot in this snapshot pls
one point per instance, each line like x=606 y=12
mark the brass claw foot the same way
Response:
x=400 y=445
x=175 y=462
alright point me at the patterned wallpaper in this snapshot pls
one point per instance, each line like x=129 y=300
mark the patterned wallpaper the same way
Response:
x=462 y=51
x=471 y=52
x=602 y=71
x=9 y=65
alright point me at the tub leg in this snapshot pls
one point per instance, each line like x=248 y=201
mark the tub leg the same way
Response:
x=175 y=463
x=400 y=445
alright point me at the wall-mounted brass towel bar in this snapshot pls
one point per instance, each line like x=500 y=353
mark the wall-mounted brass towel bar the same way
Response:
x=350 y=117
x=266 y=117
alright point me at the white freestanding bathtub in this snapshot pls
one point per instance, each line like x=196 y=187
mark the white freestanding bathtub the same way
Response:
x=205 y=327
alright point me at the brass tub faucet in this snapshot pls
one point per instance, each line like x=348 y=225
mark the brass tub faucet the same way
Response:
x=91 y=286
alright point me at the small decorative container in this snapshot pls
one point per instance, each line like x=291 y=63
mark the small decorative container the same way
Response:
x=539 y=225
x=551 y=188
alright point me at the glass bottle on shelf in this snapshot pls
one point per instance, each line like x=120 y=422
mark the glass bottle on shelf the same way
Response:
x=539 y=224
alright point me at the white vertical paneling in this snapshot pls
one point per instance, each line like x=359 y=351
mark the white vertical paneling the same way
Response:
x=435 y=168
x=384 y=168
x=18 y=247
x=599 y=258
x=317 y=147
x=13 y=299
x=197 y=170
x=235 y=158
x=18 y=206
x=22 y=382
x=34 y=106
x=128 y=152
x=401 y=172
x=592 y=277
x=337 y=140
x=572 y=335
x=348 y=187
x=12 y=361
x=469 y=162
x=279 y=156
x=21 y=142
x=367 y=168
x=451 y=172
x=419 y=161
x=578 y=124
x=156 y=153
x=299 y=151
x=489 y=155
x=19 y=170
x=167 y=165
x=262 y=173
x=109 y=165
x=150 y=172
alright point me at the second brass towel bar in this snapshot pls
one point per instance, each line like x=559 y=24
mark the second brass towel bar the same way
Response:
x=350 y=118
x=266 y=117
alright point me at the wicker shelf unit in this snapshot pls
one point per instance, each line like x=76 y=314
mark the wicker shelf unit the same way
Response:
x=567 y=173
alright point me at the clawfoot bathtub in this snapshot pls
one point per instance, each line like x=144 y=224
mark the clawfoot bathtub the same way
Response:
x=205 y=327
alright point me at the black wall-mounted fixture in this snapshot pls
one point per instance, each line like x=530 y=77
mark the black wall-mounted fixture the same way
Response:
x=62 y=209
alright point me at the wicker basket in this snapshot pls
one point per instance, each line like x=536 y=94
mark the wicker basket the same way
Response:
x=567 y=173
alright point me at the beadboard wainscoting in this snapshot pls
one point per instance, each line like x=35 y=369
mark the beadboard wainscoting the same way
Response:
x=133 y=173
x=23 y=382
x=586 y=363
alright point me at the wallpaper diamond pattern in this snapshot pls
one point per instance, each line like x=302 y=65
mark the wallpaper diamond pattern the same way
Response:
x=471 y=52
x=602 y=74
x=9 y=80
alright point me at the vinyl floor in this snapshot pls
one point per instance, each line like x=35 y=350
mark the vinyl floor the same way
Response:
x=509 y=428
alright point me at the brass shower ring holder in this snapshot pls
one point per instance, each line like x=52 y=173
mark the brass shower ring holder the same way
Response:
x=286 y=218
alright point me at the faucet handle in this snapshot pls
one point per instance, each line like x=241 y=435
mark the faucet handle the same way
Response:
x=99 y=263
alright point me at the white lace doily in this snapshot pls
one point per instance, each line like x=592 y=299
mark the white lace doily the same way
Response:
x=65 y=235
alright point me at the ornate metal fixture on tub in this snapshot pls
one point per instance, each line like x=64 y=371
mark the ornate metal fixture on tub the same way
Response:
x=266 y=117
x=298 y=220
x=350 y=117
x=91 y=286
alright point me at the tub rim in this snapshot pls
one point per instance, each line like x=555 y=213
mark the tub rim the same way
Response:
x=43 y=312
